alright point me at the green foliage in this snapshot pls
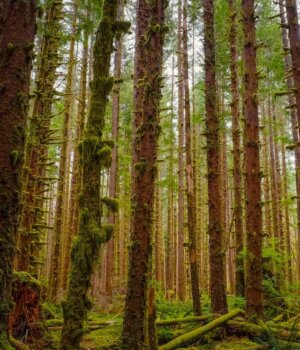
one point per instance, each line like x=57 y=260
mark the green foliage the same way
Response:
x=108 y=230
x=111 y=203
x=4 y=343
x=104 y=154
x=24 y=277
x=51 y=311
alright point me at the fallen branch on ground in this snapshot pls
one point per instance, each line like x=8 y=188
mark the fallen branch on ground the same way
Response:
x=262 y=330
x=191 y=337
x=183 y=320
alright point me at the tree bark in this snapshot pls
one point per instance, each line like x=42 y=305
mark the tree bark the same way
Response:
x=113 y=175
x=254 y=293
x=147 y=85
x=17 y=31
x=76 y=169
x=294 y=122
x=236 y=140
x=191 y=202
x=95 y=156
x=215 y=229
x=61 y=204
x=40 y=134
x=180 y=277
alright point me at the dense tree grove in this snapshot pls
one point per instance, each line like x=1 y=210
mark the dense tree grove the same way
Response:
x=149 y=174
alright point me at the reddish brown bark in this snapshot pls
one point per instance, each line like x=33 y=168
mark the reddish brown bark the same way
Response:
x=180 y=277
x=147 y=85
x=159 y=244
x=17 y=30
x=254 y=295
x=25 y=320
x=288 y=245
x=170 y=239
x=215 y=229
x=191 y=200
x=294 y=122
x=236 y=140
x=294 y=36
x=40 y=135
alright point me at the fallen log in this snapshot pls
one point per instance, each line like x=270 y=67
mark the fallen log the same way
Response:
x=193 y=336
x=285 y=326
x=190 y=319
x=262 y=330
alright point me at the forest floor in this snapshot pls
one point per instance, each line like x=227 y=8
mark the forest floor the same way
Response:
x=104 y=327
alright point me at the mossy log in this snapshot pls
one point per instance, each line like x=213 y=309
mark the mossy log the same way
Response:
x=262 y=331
x=285 y=325
x=90 y=326
x=184 y=320
x=191 y=337
x=17 y=344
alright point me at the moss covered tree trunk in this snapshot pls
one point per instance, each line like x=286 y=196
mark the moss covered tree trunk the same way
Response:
x=215 y=228
x=113 y=175
x=76 y=172
x=17 y=30
x=191 y=199
x=61 y=205
x=237 y=173
x=95 y=155
x=254 y=293
x=40 y=135
x=147 y=86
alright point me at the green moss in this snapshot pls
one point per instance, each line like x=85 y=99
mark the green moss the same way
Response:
x=108 y=230
x=10 y=47
x=109 y=143
x=14 y=157
x=121 y=27
x=105 y=338
x=111 y=203
x=141 y=167
x=104 y=154
x=29 y=47
x=26 y=278
x=18 y=344
x=4 y=343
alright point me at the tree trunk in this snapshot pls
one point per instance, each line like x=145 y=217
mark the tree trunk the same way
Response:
x=215 y=230
x=76 y=169
x=109 y=271
x=180 y=277
x=294 y=122
x=61 y=205
x=40 y=135
x=170 y=244
x=147 y=86
x=237 y=173
x=95 y=156
x=191 y=202
x=294 y=36
x=254 y=293
x=17 y=30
